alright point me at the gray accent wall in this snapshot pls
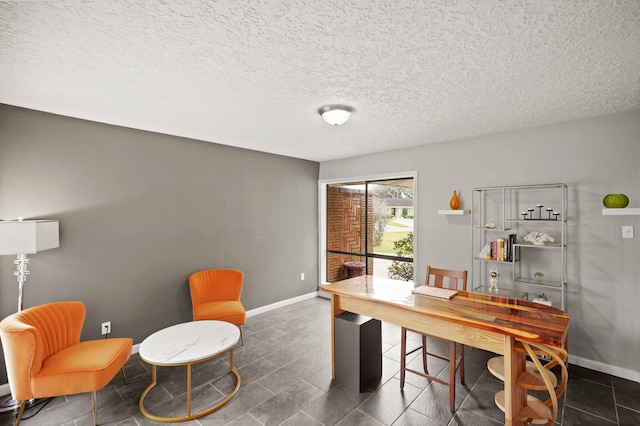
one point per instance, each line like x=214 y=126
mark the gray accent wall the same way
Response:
x=593 y=157
x=140 y=211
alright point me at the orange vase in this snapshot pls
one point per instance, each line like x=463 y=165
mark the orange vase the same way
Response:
x=454 y=203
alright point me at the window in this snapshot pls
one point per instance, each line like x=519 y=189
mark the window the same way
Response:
x=369 y=229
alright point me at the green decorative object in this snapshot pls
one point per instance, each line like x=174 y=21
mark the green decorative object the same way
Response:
x=615 y=201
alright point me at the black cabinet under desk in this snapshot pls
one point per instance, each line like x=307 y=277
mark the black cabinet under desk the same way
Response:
x=358 y=350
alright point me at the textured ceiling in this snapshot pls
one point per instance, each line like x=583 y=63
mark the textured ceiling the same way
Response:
x=253 y=74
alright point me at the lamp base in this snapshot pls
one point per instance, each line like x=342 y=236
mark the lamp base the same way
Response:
x=7 y=404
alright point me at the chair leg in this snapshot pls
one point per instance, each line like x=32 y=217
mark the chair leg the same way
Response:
x=94 y=408
x=124 y=376
x=462 y=363
x=452 y=376
x=424 y=353
x=242 y=334
x=23 y=404
x=403 y=356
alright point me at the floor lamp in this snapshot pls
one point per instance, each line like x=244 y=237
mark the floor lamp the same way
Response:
x=22 y=237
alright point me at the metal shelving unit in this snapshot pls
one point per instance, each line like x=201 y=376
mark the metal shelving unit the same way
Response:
x=500 y=211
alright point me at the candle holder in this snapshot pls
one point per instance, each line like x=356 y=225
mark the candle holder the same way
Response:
x=539 y=207
x=549 y=210
x=556 y=214
x=524 y=215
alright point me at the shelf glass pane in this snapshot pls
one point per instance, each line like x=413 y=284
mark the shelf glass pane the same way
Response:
x=533 y=281
x=546 y=245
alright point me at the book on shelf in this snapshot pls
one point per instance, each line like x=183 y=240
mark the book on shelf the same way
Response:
x=500 y=250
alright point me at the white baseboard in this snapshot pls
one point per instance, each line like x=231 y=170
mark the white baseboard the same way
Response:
x=282 y=303
x=605 y=368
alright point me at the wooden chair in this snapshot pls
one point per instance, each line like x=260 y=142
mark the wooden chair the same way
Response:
x=44 y=356
x=215 y=295
x=454 y=280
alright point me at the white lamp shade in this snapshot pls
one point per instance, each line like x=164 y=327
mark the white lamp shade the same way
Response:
x=336 y=114
x=28 y=236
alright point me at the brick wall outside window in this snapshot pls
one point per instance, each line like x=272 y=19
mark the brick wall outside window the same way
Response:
x=345 y=230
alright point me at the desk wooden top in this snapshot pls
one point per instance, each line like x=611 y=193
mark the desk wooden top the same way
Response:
x=513 y=317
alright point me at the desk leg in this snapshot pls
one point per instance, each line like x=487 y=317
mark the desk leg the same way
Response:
x=335 y=311
x=515 y=397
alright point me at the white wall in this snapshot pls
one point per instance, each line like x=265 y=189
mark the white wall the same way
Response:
x=593 y=157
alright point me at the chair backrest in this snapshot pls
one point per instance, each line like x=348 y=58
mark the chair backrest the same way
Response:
x=34 y=334
x=213 y=285
x=456 y=280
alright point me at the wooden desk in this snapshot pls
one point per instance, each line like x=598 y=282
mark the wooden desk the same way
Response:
x=483 y=321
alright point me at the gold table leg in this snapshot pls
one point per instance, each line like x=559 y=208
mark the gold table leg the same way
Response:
x=189 y=415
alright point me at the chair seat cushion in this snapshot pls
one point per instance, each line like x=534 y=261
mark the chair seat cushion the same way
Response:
x=83 y=367
x=224 y=310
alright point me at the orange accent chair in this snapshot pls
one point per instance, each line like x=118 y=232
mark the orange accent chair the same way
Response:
x=456 y=280
x=44 y=356
x=215 y=295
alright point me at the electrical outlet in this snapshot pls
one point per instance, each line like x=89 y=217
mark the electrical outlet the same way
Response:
x=627 y=232
x=302 y=276
x=106 y=328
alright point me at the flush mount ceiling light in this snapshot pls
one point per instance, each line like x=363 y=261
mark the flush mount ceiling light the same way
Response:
x=336 y=114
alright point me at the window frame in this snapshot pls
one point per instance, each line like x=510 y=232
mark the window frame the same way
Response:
x=322 y=217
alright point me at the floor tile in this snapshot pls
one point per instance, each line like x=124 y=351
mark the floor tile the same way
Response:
x=627 y=393
x=285 y=404
x=358 y=418
x=574 y=417
x=411 y=417
x=333 y=406
x=301 y=419
x=591 y=397
x=628 y=417
x=387 y=403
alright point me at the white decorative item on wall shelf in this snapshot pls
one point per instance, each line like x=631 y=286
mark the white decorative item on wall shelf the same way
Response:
x=454 y=212
x=634 y=211
x=538 y=238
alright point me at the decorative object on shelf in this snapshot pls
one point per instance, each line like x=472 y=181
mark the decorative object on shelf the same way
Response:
x=542 y=298
x=538 y=238
x=485 y=253
x=454 y=203
x=615 y=201
x=539 y=277
x=493 y=279
x=528 y=215
x=490 y=225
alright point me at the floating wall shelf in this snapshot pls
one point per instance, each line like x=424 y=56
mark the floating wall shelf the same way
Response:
x=454 y=212
x=621 y=212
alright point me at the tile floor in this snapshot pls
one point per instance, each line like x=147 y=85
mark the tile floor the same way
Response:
x=286 y=380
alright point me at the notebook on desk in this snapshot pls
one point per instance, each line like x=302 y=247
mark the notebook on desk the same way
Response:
x=442 y=293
